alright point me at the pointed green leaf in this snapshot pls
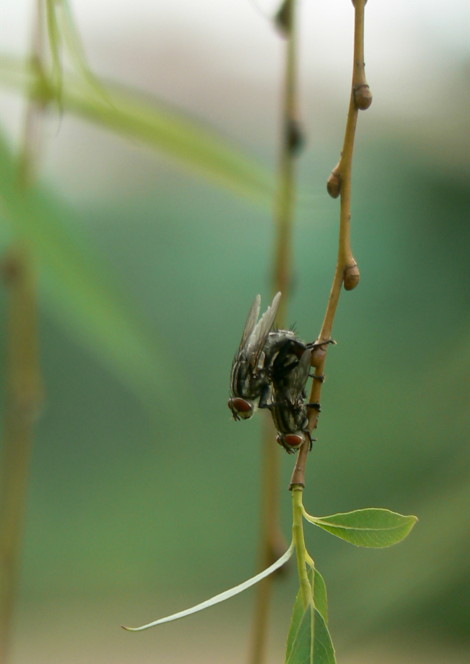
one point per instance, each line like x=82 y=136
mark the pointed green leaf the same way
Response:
x=300 y=640
x=54 y=40
x=191 y=143
x=80 y=292
x=319 y=595
x=309 y=641
x=372 y=527
x=324 y=652
x=177 y=135
x=221 y=597
x=73 y=44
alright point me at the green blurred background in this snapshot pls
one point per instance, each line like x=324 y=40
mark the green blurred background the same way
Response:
x=144 y=493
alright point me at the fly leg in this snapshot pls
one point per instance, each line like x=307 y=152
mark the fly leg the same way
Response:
x=318 y=344
x=315 y=377
x=307 y=433
x=265 y=397
x=315 y=405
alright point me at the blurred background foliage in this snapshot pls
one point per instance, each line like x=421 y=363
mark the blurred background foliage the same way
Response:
x=146 y=272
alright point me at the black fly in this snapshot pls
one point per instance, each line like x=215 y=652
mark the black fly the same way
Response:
x=289 y=372
x=250 y=383
x=270 y=370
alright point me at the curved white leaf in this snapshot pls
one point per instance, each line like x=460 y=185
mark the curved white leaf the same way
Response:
x=227 y=594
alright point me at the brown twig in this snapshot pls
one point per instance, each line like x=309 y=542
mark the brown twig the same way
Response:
x=347 y=271
x=23 y=380
x=271 y=538
x=291 y=141
x=271 y=541
x=23 y=397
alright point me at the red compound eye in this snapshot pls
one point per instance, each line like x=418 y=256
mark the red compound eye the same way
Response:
x=240 y=408
x=293 y=439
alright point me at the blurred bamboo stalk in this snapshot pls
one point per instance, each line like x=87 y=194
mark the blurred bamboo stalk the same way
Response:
x=23 y=385
x=22 y=400
x=271 y=542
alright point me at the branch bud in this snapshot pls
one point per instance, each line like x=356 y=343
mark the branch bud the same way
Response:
x=351 y=276
x=333 y=184
x=295 y=137
x=11 y=268
x=318 y=355
x=362 y=96
x=283 y=18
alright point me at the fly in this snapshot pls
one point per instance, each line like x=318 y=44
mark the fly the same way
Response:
x=270 y=370
x=289 y=409
x=250 y=382
x=290 y=370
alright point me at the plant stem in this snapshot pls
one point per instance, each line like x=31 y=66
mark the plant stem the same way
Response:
x=300 y=549
x=271 y=539
x=23 y=380
x=30 y=143
x=23 y=396
x=283 y=214
x=346 y=271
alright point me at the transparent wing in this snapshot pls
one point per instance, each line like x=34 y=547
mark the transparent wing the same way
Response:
x=257 y=339
x=250 y=321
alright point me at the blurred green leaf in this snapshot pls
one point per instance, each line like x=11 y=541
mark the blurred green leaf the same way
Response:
x=53 y=34
x=193 y=144
x=80 y=291
x=64 y=39
x=371 y=527
x=309 y=641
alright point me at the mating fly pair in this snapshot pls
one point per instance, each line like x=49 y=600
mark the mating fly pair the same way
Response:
x=270 y=370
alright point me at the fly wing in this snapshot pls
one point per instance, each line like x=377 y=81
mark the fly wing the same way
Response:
x=298 y=378
x=250 y=322
x=257 y=339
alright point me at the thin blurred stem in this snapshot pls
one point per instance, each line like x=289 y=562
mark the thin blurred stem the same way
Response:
x=30 y=142
x=23 y=395
x=271 y=538
x=23 y=383
x=284 y=209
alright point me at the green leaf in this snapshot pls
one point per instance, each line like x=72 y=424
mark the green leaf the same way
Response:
x=53 y=35
x=66 y=28
x=300 y=640
x=221 y=597
x=309 y=641
x=319 y=595
x=161 y=127
x=191 y=143
x=80 y=291
x=324 y=652
x=372 y=527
